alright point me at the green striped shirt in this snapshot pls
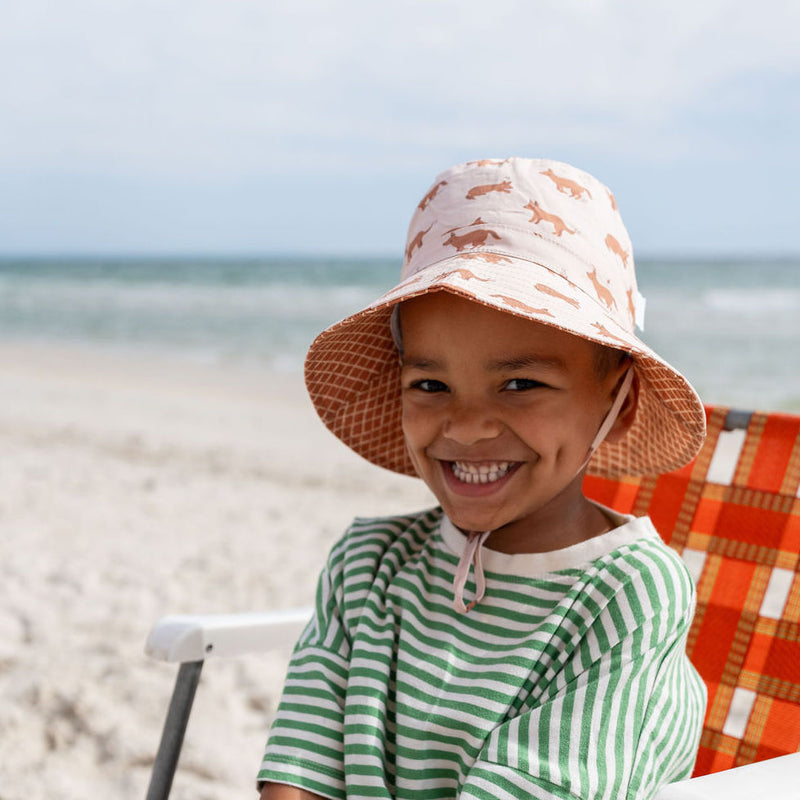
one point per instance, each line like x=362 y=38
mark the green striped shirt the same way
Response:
x=569 y=679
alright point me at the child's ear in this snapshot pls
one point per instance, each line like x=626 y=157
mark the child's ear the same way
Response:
x=627 y=413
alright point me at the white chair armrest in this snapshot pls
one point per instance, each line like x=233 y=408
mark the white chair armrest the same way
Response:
x=195 y=637
x=776 y=778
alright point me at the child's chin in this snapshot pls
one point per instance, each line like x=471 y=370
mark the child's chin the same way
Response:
x=472 y=522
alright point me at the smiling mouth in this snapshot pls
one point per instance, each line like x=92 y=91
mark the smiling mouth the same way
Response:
x=484 y=472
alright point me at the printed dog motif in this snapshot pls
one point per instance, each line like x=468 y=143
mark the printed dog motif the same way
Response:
x=414 y=277
x=416 y=242
x=462 y=273
x=631 y=306
x=566 y=186
x=476 y=221
x=479 y=191
x=553 y=293
x=426 y=201
x=540 y=215
x=615 y=247
x=471 y=238
x=491 y=258
x=603 y=294
x=519 y=305
x=605 y=332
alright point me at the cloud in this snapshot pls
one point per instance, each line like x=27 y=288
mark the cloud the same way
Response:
x=245 y=87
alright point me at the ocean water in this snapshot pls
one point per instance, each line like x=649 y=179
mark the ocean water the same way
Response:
x=732 y=327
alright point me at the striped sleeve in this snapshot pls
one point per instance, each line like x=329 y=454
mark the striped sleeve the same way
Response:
x=624 y=716
x=305 y=746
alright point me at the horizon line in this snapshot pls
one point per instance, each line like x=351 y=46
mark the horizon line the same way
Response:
x=337 y=255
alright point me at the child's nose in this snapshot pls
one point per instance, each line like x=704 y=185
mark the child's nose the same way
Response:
x=468 y=423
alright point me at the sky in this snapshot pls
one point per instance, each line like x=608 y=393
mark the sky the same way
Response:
x=306 y=126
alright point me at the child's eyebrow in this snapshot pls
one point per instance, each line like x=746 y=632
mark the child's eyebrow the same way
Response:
x=530 y=361
x=421 y=363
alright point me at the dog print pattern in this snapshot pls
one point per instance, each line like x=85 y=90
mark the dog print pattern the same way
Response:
x=550 y=218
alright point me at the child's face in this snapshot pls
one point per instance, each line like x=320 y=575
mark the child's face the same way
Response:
x=498 y=415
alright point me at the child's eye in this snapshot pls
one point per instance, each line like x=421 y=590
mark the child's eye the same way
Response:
x=522 y=384
x=429 y=385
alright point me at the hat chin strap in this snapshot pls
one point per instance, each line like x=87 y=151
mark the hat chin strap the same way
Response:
x=471 y=555
x=475 y=539
x=611 y=417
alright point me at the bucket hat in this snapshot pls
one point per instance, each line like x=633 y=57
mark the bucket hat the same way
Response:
x=535 y=238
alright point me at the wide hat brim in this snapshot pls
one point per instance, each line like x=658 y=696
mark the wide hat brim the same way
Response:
x=352 y=369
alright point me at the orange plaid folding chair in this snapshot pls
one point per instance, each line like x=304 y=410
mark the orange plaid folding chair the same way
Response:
x=734 y=516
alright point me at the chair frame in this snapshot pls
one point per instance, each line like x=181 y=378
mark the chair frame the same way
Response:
x=189 y=640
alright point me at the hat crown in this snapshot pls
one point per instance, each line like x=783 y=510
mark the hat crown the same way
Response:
x=538 y=210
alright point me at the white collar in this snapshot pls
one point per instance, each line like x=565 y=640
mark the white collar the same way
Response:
x=628 y=530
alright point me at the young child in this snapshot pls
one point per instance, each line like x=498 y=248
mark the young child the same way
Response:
x=518 y=640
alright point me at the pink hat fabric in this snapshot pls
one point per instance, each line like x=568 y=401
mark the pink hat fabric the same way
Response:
x=532 y=237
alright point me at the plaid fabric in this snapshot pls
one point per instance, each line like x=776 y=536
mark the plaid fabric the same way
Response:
x=734 y=516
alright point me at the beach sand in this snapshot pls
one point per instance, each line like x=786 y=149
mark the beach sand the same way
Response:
x=137 y=487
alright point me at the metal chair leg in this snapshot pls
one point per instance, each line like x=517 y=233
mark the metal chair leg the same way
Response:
x=169 y=749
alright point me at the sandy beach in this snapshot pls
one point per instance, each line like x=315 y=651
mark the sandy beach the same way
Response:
x=136 y=487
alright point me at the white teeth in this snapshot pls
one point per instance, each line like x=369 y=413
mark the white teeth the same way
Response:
x=480 y=473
